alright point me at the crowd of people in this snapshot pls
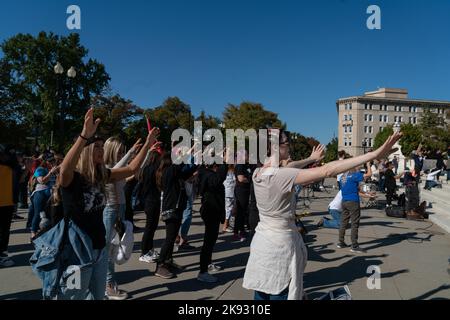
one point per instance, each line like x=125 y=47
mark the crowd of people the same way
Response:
x=79 y=202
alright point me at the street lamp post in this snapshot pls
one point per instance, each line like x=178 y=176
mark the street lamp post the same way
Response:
x=364 y=146
x=71 y=74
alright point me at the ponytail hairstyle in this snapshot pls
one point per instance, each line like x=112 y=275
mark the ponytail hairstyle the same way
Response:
x=166 y=161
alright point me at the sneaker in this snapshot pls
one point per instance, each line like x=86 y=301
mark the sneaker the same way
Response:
x=357 y=249
x=113 y=293
x=320 y=223
x=242 y=239
x=228 y=230
x=214 y=268
x=342 y=245
x=17 y=217
x=6 y=262
x=163 y=271
x=149 y=257
x=206 y=277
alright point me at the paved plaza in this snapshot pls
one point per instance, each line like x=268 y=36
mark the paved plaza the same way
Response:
x=413 y=257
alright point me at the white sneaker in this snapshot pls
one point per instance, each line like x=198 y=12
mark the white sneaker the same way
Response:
x=206 y=277
x=150 y=257
x=214 y=268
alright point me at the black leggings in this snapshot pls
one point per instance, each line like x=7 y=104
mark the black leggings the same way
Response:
x=151 y=224
x=172 y=229
x=389 y=195
x=241 y=203
x=6 y=214
x=212 y=225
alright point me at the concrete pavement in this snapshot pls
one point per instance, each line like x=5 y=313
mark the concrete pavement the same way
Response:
x=413 y=257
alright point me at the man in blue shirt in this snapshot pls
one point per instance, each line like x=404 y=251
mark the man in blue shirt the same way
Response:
x=351 y=206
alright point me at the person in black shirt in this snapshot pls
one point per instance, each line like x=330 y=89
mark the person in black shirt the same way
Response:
x=152 y=204
x=170 y=181
x=83 y=176
x=390 y=183
x=243 y=174
x=212 y=211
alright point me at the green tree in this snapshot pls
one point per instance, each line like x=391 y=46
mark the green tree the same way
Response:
x=29 y=87
x=331 y=153
x=435 y=134
x=382 y=136
x=412 y=136
x=249 y=115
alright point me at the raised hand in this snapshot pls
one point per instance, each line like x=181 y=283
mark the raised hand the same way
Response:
x=386 y=148
x=318 y=153
x=152 y=136
x=90 y=126
x=155 y=146
x=135 y=148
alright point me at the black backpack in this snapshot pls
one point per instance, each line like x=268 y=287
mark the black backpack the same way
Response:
x=396 y=212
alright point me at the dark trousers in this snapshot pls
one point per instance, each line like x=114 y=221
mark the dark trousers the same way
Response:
x=351 y=211
x=241 y=202
x=152 y=212
x=390 y=191
x=129 y=187
x=212 y=225
x=172 y=229
x=6 y=214
x=23 y=194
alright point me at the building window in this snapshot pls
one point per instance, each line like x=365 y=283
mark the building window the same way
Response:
x=365 y=106
x=381 y=129
x=349 y=117
x=381 y=117
x=345 y=129
x=365 y=117
x=345 y=117
x=370 y=117
x=400 y=119
x=349 y=106
x=350 y=129
x=370 y=142
x=370 y=107
x=349 y=142
x=414 y=120
x=365 y=129
x=385 y=118
x=370 y=129
x=345 y=142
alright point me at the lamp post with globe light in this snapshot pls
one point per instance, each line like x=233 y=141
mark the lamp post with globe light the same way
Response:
x=61 y=93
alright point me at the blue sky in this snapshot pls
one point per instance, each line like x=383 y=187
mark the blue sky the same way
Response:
x=295 y=57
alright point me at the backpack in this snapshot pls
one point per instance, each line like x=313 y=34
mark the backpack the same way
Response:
x=396 y=212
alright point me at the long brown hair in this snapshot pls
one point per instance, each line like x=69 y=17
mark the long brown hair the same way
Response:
x=166 y=161
x=94 y=174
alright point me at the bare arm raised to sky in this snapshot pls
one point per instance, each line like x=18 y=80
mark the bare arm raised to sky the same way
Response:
x=307 y=176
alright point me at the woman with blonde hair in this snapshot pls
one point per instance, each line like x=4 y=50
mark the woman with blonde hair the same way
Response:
x=115 y=157
x=83 y=179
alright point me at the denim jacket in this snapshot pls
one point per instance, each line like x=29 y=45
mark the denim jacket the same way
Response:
x=63 y=260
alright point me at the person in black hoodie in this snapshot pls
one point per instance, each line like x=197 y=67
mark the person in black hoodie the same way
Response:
x=152 y=206
x=170 y=181
x=212 y=211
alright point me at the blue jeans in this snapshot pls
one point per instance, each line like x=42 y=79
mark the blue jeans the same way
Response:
x=264 y=296
x=110 y=214
x=93 y=284
x=335 y=221
x=39 y=200
x=187 y=218
x=430 y=184
x=381 y=184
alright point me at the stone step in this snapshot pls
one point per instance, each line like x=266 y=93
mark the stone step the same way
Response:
x=435 y=197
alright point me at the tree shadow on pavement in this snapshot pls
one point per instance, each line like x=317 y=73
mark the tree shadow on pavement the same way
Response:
x=433 y=292
x=393 y=239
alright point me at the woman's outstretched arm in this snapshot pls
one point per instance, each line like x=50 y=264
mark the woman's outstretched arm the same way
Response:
x=332 y=169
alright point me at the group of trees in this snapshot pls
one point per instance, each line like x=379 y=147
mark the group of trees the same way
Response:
x=38 y=105
x=432 y=133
